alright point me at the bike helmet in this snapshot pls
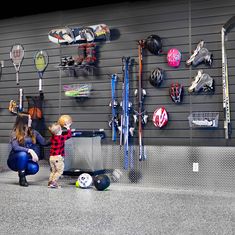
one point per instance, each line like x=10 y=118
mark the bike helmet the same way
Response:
x=176 y=92
x=156 y=77
x=154 y=44
x=160 y=117
x=174 y=57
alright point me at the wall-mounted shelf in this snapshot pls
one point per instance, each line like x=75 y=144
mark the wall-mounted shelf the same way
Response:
x=76 y=70
x=203 y=119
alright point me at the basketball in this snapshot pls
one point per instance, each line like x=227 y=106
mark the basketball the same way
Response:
x=35 y=113
x=64 y=119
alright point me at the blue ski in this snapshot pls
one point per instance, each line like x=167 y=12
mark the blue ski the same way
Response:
x=114 y=104
x=126 y=109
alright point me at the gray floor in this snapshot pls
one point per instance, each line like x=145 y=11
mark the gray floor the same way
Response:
x=123 y=209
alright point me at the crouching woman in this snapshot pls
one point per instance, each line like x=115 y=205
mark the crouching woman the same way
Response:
x=25 y=150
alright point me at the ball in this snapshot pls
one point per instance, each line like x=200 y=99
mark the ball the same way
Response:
x=101 y=182
x=116 y=175
x=64 y=119
x=35 y=113
x=77 y=184
x=85 y=180
x=134 y=175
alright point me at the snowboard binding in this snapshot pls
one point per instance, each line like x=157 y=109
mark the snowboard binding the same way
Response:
x=86 y=57
x=202 y=81
x=200 y=55
x=66 y=61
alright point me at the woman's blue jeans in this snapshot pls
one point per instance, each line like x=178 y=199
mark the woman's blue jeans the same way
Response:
x=19 y=161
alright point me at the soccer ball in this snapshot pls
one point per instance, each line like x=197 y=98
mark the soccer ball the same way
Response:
x=85 y=180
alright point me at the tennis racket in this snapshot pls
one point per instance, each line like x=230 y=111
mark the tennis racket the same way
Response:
x=41 y=61
x=17 y=56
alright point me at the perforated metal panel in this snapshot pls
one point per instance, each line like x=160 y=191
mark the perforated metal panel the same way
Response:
x=83 y=153
x=4 y=153
x=172 y=167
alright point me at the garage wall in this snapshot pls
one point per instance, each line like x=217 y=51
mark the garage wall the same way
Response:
x=181 y=24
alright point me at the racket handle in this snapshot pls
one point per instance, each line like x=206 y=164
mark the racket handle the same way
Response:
x=17 y=78
x=40 y=85
x=21 y=100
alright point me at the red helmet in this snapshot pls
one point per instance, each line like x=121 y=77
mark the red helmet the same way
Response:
x=174 y=57
x=160 y=117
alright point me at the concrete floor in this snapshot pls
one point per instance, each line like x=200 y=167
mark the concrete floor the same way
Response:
x=123 y=209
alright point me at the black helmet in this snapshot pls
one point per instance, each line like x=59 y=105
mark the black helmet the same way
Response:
x=176 y=92
x=156 y=77
x=154 y=44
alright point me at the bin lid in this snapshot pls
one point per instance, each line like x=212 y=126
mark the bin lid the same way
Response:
x=84 y=133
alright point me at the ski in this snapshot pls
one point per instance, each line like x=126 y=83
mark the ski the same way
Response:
x=125 y=114
x=114 y=105
x=140 y=116
x=226 y=104
x=126 y=109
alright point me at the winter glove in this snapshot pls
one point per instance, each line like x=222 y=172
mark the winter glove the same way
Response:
x=33 y=154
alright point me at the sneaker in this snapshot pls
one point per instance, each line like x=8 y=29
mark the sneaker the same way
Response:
x=202 y=81
x=61 y=36
x=54 y=184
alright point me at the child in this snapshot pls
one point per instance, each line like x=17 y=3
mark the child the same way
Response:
x=57 y=151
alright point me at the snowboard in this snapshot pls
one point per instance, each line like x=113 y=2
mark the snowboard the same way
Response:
x=79 y=35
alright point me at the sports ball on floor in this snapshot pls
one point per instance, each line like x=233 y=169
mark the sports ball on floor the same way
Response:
x=134 y=175
x=85 y=180
x=64 y=120
x=77 y=184
x=116 y=175
x=101 y=182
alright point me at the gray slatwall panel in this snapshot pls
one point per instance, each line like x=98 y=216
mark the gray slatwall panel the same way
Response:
x=133 y=21
x=208 y=19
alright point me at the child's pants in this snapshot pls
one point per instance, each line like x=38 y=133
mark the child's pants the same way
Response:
x=57 y=167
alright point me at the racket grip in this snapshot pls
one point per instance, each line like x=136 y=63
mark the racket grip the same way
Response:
x=17 y=78
x=21 y=100
x=40 y=85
